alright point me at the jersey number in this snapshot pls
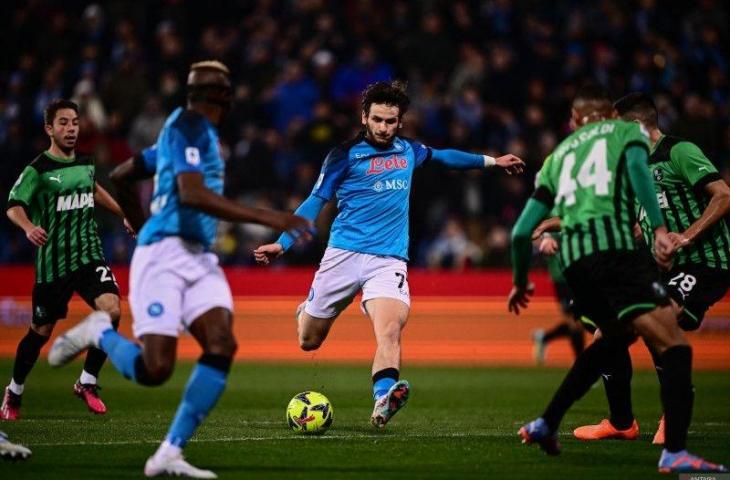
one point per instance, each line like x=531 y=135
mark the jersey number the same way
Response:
x=106 y=274
x=593 y=173
x=685 y=284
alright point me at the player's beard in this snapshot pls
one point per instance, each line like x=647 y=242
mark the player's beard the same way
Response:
x=378 y=140
x=67 y=146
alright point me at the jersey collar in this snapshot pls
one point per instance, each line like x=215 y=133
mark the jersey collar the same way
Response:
x=59 y=159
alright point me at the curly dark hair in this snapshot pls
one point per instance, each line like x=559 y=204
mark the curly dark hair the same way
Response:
x=49 y=114
x=389 y=93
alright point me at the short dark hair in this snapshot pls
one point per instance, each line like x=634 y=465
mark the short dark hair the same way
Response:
x=389 y=93
x=638 y=106
x=593 y=92
x=49 y=114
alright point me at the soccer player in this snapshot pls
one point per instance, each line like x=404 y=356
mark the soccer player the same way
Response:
x=53 y=202
x=368 y=245
x=175 y=281
x=592 y=179
x=695 y=202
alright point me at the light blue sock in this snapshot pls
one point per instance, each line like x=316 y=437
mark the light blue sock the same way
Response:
x=203 y=390
x=123 y=353
x=382 y=386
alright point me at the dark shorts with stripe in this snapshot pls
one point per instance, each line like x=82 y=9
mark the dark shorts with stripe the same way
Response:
x=696 y=288
x=50 y=300
x=564 y=296
x=613 y=288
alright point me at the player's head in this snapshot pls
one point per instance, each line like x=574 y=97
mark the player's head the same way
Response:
x=209 y=84
x=591 y=104
x=383 y=107
x=638 y=107
x=61 y=123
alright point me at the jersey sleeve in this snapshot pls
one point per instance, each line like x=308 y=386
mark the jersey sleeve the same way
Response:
x=693 y=165
x=25 y=187
x=149 y=158
x=188 y=143
x=333 y=172
x=421 y=152
x=545 y=188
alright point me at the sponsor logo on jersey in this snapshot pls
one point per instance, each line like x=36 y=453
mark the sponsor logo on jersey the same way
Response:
x=383 y=164
x=74 y=201
x=55 y=179
x=398 y=184
x=662 y=200
x=658 y=175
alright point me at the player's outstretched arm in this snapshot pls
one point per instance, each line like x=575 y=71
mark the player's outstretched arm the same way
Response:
x=124 y=178
x=551 y=224
x=105 y=199
x=531 y=216
x=35 y=234
x=717 y=208
x=464 y=160
x=193 y=193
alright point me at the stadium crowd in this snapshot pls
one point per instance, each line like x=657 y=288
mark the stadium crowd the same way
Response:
x=493 y=76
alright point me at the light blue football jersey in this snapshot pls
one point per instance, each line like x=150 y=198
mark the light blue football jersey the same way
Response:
x=187 y=143
x=373 y=186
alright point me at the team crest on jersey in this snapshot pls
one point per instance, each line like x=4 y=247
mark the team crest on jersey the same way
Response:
x=155 y=309
x=658 y=175
x=40 y=312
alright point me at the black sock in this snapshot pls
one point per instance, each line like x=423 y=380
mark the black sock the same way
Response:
x=677 y=396
x=657 y=362
x=561 y=330
x=577 y=340
x=584 y=373
x=617 y=381
x=95 y=357
x=26 y=355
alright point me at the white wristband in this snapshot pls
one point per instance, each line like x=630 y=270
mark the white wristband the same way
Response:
x=489 y=161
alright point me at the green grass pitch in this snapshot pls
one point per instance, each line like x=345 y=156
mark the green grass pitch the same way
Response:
x=460 y=423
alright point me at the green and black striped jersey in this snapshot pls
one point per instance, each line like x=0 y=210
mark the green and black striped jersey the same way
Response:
x=681 y=171
x=58 y=195
x=585 y=180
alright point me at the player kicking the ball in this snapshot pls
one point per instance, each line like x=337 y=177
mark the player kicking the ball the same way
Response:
x=368 y=246
x=175 y=281
x=53 y=202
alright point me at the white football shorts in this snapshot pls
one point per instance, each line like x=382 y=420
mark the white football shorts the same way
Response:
x=171 y=283
x=342 y=274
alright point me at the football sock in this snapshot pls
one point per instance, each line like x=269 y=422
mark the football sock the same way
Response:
x=204 y=388
x=95 y=357
x=383 y=380
x=677 y=396
x=577 y=341
x=124 y=354
x=584 y=373
x=86 y=378
x=16 y=388
x=26 y=355
x=617 y=382
x=558 y=331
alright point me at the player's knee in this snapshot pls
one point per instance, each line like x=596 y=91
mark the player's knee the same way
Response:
x=222 y=343
x=43 y=330
x=309 y=342
x=157 y=373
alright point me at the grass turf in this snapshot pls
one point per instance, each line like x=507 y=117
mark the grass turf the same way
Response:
x=460 y=423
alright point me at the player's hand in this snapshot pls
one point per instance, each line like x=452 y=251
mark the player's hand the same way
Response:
x=519 y=297
x=663 y=248
x=37 y=236
x=548 y=246
x=129 y=229
x=510 y=163
x=638 y=233
x=266 y=253
x=678 y=240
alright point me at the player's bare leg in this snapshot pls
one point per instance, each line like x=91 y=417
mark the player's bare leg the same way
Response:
x=26 y=355
x=213 y=331
x=312 y=331
x=86 y=387
x=389 y=317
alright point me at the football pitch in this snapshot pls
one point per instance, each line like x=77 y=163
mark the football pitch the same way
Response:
x=460 y=423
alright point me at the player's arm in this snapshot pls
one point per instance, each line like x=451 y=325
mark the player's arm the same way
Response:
x=535 y=211
x=551 y=224
x=333 y=171
x=460 y=160
x=124 y=177
x=105 y=199
x=643 y=185
x=697 y=170
x=193 y=193
x=19 y=200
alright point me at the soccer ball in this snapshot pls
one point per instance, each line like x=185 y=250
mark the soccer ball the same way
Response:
x=309 y=413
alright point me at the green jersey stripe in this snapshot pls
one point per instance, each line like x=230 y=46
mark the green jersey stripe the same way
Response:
x=617 y=195
x=608 y=228
x=593 y=231
x=67 y=242
x=579 y=239
x=711 y=236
